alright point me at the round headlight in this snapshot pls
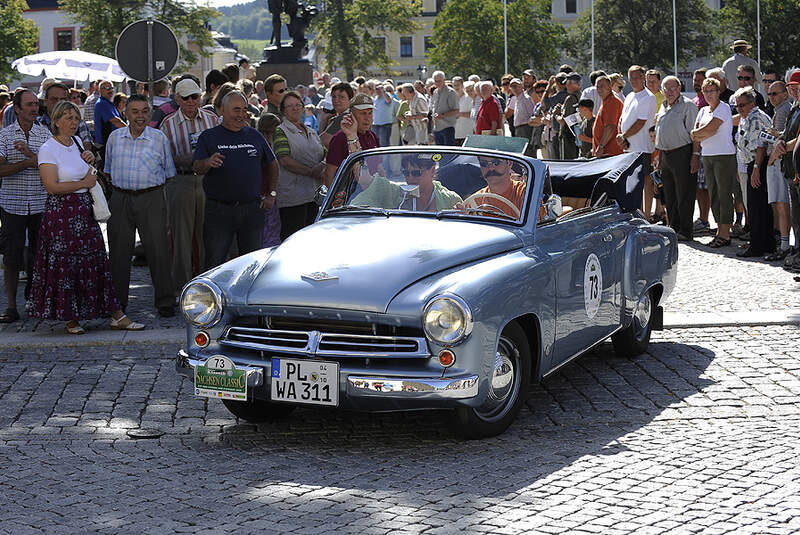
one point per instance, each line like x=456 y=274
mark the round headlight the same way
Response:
x=447 y=319
x=201 y=303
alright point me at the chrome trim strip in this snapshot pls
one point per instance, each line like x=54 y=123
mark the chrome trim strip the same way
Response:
x=185 y=365
x=459 y=387
x=581 y=352
x=309 y=342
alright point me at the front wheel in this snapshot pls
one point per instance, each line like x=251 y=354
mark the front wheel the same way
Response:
x=507 y=388
x=258 y=411
x=633 y=340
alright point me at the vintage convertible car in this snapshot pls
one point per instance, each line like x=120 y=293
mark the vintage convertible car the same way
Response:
x=434 y=277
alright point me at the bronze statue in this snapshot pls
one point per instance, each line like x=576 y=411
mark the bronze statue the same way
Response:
x=297 y=24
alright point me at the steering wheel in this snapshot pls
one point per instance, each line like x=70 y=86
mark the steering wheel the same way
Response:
x=470 y=202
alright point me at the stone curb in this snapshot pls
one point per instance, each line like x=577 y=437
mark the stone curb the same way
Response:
x=178 y=336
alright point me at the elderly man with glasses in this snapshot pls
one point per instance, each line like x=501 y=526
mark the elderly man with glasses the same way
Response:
x=777 y=188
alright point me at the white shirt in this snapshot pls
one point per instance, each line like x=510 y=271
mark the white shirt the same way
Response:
x=722 y=141
x=641 y=105
x=71 y=168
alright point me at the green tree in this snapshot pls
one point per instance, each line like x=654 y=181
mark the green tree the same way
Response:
x=640 y=32
x=346 y=28
x=779 y=44
x=18 y=36
x=468 y=37
x=103 y=21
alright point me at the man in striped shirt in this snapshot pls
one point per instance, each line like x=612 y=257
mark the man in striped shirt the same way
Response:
x=185 y=192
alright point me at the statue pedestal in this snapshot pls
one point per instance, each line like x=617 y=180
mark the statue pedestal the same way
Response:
x=287 y=61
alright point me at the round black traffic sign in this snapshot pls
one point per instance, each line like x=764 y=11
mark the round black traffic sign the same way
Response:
x=136 y=52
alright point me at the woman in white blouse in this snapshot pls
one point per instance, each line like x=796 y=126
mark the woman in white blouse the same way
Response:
x=71 y=274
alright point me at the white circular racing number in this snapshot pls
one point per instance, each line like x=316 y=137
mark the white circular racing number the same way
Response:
x=592 y=285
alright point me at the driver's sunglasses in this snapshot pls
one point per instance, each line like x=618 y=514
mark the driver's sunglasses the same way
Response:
x=413 y=172
x=487 y=163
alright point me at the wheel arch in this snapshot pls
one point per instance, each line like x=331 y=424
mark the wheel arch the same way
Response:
x=531 y=325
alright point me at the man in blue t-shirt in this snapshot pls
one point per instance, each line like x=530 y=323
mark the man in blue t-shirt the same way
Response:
x=106 y=115
x=240 y=182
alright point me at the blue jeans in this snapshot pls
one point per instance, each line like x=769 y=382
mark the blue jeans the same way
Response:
x=445 y=136
x=224 y=222
x=384 y=133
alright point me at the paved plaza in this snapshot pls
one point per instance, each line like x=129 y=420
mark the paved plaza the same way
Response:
x=699 y=435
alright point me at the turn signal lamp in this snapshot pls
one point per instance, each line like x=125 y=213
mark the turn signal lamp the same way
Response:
x=201 y=339
x=447 y=358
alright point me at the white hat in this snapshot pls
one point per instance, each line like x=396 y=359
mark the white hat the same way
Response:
x=187 y=87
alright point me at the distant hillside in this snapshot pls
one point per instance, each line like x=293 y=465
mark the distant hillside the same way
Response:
x=250 y=20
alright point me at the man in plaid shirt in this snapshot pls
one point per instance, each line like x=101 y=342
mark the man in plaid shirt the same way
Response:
x=22 y=195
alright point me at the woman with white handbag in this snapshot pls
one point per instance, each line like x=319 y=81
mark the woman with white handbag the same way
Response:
x=71 y=274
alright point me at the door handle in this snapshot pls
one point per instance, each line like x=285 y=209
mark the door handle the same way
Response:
x=608 y=238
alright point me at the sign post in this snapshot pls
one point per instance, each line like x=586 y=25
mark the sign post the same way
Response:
x=161 y=51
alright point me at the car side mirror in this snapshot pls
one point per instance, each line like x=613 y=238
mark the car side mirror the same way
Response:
x=320 y=195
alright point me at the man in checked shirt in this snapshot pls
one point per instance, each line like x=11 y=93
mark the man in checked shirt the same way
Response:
x=185 y=194
x=22 y=195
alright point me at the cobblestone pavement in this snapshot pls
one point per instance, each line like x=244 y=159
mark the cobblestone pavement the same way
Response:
x=699 y=435
x=708 y=281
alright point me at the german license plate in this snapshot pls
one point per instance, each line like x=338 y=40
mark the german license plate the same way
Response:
x=305 y=381
x=218 y=377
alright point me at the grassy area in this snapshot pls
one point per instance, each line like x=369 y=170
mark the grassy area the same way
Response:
x=252 y=48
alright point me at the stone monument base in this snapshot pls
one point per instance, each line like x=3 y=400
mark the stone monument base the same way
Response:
x=295 y=73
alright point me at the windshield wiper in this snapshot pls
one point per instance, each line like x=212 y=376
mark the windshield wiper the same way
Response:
x=363 y=209
x=468 y=210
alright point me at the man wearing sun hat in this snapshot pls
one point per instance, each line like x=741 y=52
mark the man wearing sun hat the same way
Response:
x=356 y=134
x=740 y=49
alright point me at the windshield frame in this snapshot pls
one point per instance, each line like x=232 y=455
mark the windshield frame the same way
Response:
x=534 y=184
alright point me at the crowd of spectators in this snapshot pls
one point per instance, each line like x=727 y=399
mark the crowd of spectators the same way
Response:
x=208 y=173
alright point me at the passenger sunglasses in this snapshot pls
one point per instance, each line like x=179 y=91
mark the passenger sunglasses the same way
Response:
x=744 y=77
x=487 y=163
x=412 y=172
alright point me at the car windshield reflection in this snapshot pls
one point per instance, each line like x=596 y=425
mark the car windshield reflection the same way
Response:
x=433 y=183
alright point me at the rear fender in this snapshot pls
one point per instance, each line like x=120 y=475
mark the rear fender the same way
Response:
x=651 y=261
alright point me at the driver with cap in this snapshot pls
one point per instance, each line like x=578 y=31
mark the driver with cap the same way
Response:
x=421 y=193
x=505 y=190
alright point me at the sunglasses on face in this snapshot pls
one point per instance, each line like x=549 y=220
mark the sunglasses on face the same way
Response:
x=488 y=163
x=744 y=77
x=413 y=172
x=768 y=81
x=191 y=97
x=282 y=90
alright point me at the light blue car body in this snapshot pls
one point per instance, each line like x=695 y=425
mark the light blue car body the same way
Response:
x=389 y=268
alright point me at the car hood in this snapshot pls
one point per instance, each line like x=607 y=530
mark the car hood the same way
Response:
x=368 y=261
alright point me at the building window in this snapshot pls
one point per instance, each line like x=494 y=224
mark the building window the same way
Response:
x=64 y=38
x=572 y=6
x=406 y=47
x=440 y=5
x=380 y=43
x=428 y=43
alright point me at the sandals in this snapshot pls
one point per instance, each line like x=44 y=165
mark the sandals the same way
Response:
x=718 y=242
x=130 y=326
x=9 y=316
x=75 y=329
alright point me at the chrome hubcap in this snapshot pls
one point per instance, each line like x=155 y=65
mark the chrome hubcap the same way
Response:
x=643 y=311
x=504 y=381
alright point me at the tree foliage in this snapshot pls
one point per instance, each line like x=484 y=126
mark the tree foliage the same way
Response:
x=245 y=21
x=345 y=31
x=468 y=37
x=640 y=32
x=779 y=44
x=103 y=21
x=18 y=36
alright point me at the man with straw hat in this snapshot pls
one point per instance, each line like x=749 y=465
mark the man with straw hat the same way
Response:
x=740 y=49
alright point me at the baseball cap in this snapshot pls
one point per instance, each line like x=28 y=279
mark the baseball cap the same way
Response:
x=516 y=81
x=561 y=77
x=361 y=102
x=529 y=72
x=574 y=76
x=188 y=87
x=794 y=79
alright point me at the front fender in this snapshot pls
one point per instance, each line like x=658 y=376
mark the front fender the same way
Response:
x=651 y=259
x=497 y=290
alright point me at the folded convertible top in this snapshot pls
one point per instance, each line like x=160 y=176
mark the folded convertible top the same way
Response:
x=620 y=177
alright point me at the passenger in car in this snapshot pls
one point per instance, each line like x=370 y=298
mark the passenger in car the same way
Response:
x=419 y=170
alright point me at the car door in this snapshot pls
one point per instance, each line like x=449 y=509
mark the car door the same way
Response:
x=586 y=250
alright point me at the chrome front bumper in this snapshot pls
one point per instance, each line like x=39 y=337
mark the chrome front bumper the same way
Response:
x=361 y=386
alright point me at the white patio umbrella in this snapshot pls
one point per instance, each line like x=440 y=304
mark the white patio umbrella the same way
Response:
x=70 y=64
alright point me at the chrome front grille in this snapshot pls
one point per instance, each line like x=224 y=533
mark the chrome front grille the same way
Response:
x=322 y=344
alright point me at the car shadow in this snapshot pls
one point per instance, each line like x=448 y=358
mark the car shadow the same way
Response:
x=582 y=410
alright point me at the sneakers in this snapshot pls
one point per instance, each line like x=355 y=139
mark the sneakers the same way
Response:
x=701 y=227
x=736 y=230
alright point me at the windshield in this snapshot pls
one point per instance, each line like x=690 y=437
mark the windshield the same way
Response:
x=437 y=183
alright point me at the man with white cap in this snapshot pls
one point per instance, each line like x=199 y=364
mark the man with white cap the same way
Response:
x=185 y=194
x=731 y=65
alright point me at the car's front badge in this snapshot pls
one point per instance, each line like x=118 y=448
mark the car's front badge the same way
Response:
x=318 y=276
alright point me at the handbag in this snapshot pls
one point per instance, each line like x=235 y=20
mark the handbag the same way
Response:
x=102 y=178
x=99 y=202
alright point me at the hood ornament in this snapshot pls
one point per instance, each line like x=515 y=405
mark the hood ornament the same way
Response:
x=318 y=276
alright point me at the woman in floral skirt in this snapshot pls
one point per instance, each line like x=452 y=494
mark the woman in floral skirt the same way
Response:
x=71 y=274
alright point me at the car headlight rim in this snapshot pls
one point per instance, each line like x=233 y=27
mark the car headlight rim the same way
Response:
x=443 y=332
x=216 y=295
